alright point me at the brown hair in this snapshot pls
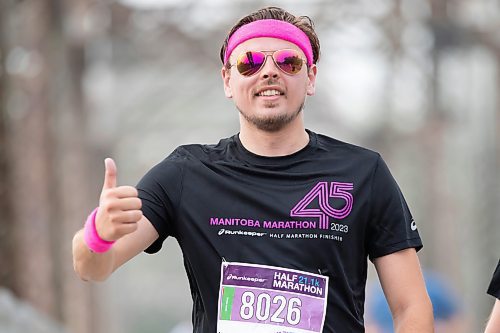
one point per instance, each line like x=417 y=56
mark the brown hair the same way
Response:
x=304 y=23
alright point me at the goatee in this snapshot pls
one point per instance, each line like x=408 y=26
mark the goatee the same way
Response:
x=271 y=123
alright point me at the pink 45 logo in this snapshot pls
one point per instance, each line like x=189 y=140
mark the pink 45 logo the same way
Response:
x=323 y=192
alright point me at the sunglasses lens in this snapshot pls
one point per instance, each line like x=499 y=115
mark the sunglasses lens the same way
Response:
x=288 y=60
x=249 y=63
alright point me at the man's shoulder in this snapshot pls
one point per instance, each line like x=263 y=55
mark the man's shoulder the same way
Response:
x=186 y=156
x=199 y=151
x=349 y=150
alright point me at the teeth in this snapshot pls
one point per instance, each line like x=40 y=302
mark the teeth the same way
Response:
x=269 y=93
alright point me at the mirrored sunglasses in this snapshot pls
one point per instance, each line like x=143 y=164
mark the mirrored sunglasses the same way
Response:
x=288 y=60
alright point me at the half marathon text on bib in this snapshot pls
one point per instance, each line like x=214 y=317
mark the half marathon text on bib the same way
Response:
x=267 y=299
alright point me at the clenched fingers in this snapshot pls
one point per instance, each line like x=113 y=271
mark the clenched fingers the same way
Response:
x=129 y=216
x=125 y=204
x=121 y=192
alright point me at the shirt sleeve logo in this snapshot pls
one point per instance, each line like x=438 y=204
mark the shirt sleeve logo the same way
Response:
x=323 y=191
x=413 y=225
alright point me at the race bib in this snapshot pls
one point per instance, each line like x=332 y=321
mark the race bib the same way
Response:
x=267 y=299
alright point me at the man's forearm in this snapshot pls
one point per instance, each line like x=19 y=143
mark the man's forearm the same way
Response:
x=91 y=266
x=417 y=318
x=494 y=322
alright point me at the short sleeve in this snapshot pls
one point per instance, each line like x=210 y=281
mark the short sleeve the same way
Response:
x=159 y=191
x=391 y=227
x=494 y=287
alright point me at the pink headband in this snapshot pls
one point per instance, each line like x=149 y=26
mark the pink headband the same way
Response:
x=270 y=28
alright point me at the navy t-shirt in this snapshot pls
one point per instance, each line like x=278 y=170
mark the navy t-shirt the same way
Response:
x=324 y=209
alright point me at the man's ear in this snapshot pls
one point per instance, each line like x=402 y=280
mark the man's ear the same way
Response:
x=311 y=84
x=226 y=76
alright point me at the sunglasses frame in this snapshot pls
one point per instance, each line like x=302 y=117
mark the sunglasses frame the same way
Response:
x=269 y=54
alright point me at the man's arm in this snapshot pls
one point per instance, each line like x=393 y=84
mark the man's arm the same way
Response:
x=92 y=266
x=493 y=325
x=119 y=218
x=404 y=287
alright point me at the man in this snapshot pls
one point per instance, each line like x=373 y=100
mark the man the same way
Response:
x=275 y=223
x=493 y=325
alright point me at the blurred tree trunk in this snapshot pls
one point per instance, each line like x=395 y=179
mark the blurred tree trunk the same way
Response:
x=6 y=222
x=30 y=150
x=433 y=138
x=71 y=177
x=44 y=188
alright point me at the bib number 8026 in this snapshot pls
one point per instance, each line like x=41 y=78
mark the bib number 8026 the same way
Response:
x=261 y=308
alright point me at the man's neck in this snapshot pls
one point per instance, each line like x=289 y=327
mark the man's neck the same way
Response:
x=284 y=142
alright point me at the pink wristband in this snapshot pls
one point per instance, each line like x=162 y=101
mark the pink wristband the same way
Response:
x=91 y=237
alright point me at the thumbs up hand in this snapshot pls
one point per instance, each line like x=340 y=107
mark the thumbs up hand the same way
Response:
x=119 y=207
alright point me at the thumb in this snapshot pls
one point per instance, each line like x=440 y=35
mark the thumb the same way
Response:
x=110 y=174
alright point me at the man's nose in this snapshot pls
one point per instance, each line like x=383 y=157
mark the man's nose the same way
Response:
x=270 y=69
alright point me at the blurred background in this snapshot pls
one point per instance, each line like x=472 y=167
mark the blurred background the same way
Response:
x=80 y=80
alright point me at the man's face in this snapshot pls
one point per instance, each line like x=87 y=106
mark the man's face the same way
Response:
x=269 y=113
